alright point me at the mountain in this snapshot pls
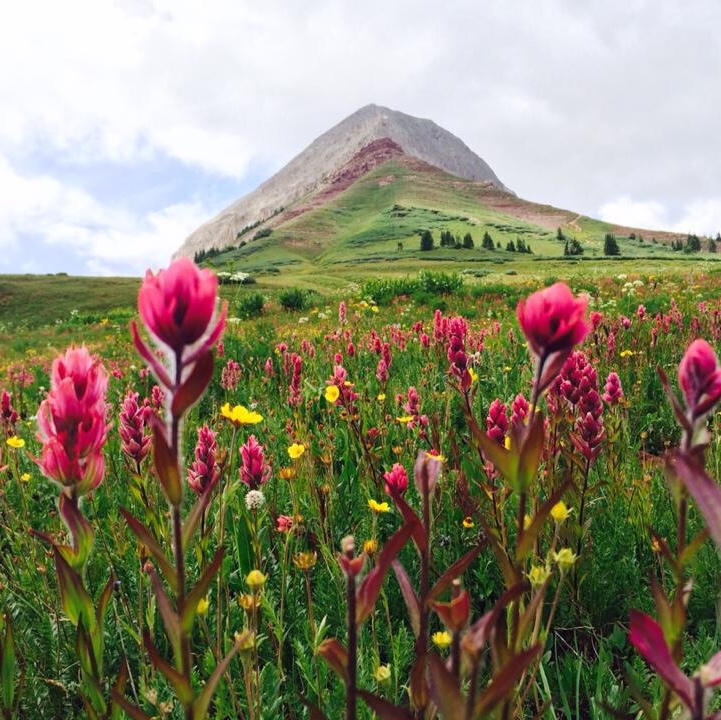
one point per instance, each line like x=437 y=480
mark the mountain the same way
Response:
x=373 y=132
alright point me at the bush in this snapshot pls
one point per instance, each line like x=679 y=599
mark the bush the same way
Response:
x=293 y=299
x=440 y=283
x=250 y=305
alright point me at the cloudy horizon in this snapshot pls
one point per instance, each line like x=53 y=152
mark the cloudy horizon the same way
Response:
x=126 y=124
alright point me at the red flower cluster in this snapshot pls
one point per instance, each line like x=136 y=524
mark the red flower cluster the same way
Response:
x=254 y=471
x=204 y=471
x=72 y=423
x=700 y=378
x=135 y=443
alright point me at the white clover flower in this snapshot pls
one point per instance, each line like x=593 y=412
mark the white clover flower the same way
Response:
x=254 y=500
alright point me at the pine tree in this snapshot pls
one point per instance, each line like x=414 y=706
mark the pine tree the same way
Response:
x=427 y=242
x=610 y=245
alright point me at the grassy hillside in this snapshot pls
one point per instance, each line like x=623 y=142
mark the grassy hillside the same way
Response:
x=373 y=228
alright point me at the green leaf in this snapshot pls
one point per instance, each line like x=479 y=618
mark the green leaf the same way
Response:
x=530 y=453
x=171 y=621
x=135 y=712
x=192 y=519
x=200 y=591
x=384 y=709
x=444 y=689
x=527 y=540
x=502 y=684
x=8 y=666
x=74 y=597
x=147 y=538
x=183 y=689
x=454 y=571
x=194 y=386
x=200 y=706
x=166 y=465
x=367 y=593
x=409 y=595
x=80 y=530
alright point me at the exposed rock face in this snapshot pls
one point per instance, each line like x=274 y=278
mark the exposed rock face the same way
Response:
x=371 y=134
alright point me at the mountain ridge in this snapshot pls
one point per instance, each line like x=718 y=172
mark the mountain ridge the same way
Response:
x=317 y=167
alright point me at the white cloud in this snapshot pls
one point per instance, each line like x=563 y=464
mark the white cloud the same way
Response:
x=581 y=105
x=39 y=213
x=700 y=216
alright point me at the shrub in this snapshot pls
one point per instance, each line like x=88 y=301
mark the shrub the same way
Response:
x=250 y=305
x=293 y=299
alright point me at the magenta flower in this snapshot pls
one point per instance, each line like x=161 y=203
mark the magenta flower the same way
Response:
x=204 y=471
x=8 y=414
x=71 y=422
x=254 y=471
x=426 y=471
x=612 y=391
x=178 y=304
x=497 y=422
x=647 y=637
x=230 y=375
x=135 y=443
x=553 y=321
x=700 y=378
x=396 y=479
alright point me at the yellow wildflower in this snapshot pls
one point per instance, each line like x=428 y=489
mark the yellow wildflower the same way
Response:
x=526 y=521
x=559 y=512
x=15 y=442
x=382 y=673
x=377 y=507
x=507 y=442
x=296 y=450
x=255 y=579
x=25 y=477
x=381 y=397
x=468 y=522
x=435 y=455
x=442 y=639
x=538 y=575
x=370 y=547
x=240 y=415
x=247 y=601
x=473 y=374
x=287 y=473
x=305 y=560
x=626 y=353
x=332 y=393
x=202 y=606
x=404 y=419
x=374 y=308
x=564 y=558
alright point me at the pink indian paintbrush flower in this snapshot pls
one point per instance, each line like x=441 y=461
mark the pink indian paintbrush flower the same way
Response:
x=178 y=308
x=204 y=470
x=700 y=378
x=553 y=321
x=612 y=391
x=72 y=423
x=647 y=637
x=135 y=442
x=396 y=479
x=254 y=471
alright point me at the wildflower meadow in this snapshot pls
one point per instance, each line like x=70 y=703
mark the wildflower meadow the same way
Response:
x=493 y=504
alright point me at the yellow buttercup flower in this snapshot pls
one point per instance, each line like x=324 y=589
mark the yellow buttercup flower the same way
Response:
x=381 y=397
x=404 y=419
x=255 y=579
x=15 y=442
x=538 y=575
x=374 y=308
x=442 y=639
x=25 y=477
x=370 y=547
x=296 y=450
x=202 y=606
x=382 y=673
x=331 y=393
x=305 y=560
x=559 y=512
x=626 y=353
x=382 y=507
x=468 y=522
x=240 y=415
x=564 y=558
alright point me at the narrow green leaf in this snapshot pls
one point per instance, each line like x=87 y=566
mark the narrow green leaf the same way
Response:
x=530 y=453
x=384 y=709
x=73 y=596
x=445 y=693
x=199 y=591
x=194 y=386
x=166 y=465
x=192 y=519
x=171 y=621
x=528 y=538
x=8 y=666
x=367 y=593
x=147 y=538
x=182 y=687
x=454 y=571
x=501 y=686
x=200 y=706
x=409 y=595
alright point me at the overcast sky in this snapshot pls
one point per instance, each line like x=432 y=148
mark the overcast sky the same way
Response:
x=125 y=124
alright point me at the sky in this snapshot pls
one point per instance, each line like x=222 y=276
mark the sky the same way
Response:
x=125 y=124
